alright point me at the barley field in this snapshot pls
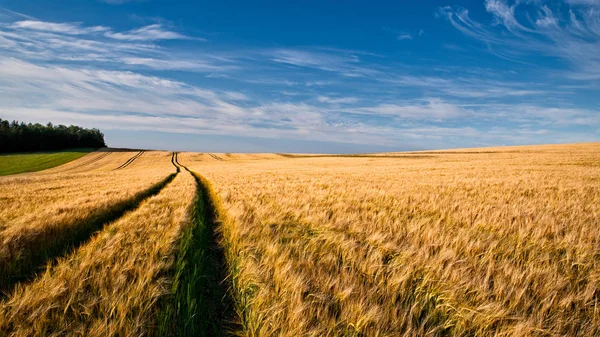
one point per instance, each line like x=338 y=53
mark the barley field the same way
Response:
x=485 y=242
x=44 y=213
x=475 y=242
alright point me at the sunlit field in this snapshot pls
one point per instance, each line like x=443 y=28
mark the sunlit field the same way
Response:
x=484 y=242
x=474 y=242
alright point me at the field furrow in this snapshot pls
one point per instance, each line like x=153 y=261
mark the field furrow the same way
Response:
x=115 y=283
x=43 y=216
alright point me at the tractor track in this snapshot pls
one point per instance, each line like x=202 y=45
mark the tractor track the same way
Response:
x=88 y=162
x=130 y=160
x=200 y=303
x=215 y=156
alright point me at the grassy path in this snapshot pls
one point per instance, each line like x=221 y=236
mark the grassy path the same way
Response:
x=199 y=304
x=33 y=162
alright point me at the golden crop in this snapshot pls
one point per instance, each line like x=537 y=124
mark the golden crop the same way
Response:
x=56 y=195
x=480 y=242
x=109 y=287
x=502 y=242
x=42 y=212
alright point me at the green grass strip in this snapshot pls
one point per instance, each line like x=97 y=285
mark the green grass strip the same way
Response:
x=199 y=304
x=38 y=161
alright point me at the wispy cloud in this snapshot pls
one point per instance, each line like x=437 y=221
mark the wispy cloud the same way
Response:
x=402 y=34
x=584 y=2
x=63 y=28
x=183 y=65
x=149 y=33
x=153 y=32
x=346 y=64
x=469 y=86
x=131 y=100
x=505 y=14
x=134 y=80
x=75 y=42
x=337 y=100
x=432 y=110
x=4 y=12
x=575 y=37
x=119 y=2
x=81 y=89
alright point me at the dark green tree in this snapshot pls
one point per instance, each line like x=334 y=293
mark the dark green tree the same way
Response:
x=21 y=137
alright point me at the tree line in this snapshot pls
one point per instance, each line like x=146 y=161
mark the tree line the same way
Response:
x=21 y=137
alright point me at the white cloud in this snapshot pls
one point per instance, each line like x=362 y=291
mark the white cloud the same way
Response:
x=505 y=14
x=62 y=28
x=548 y=115
x=546 y=19
x=575 y=39
x=70 y=73
x=404 y=36
x=432 y=110
x=116 y=99
x=152 y=32
x=584 y=2
x=338 y=100
x=348 y=65
x=468 y=87
x=185 y=65
x=54 y=87
x=23 y=71
x=73 y=42
x=119 y=2
x=12 y=14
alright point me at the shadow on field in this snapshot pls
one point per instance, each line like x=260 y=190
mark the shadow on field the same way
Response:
x=23 y=257
x=199 y=304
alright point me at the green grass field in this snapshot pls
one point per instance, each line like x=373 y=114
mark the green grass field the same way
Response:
x=31 y=162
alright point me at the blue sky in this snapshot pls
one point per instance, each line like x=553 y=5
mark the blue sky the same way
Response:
x=315 y=76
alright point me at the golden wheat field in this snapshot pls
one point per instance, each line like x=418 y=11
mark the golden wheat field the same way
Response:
x=474 y=242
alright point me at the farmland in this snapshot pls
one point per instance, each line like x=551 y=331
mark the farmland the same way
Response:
x=20 y=163
x=486 y=242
